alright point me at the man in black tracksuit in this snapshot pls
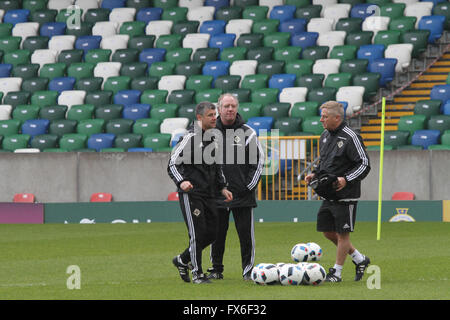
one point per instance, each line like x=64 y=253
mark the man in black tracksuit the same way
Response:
x=343 y=164
x=199 y=179
x=243 y=160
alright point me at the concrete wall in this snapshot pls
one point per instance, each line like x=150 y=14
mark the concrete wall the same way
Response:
x=136 y=176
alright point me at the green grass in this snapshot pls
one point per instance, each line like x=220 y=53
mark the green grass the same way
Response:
x=133 y=261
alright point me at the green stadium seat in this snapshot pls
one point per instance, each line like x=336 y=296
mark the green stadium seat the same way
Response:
x=266 y=27
x=108 y=111
x=35 y=84
x=25 y=71
x=62 y=127
x=211 y=95
x=165 y=4
x=90 y=84
x=178 y=55
x=83 y=29
x=144 y=83
x=445 y=138
x=344 y=52
x=98 y=98
x=255 y=81
x=51 y=113
x=396 y=138
x=276 y=110
x=261 y=54
x=313 y=125
x=243 y=95
x=10 y=43
x=354 y=67
x=34 y=5
x=316 y=52
x=70 y=56
x=169 y=41
x=443 y=9
x=81 y=70
x=119 y=126
x=189 y=68
x=387 y=37
x=9 y=127
x=163 y=111
x=321 y=95
x=44 y=141
x=271 y=67
x=90 y=126
x=438 y=147
x=73 y=141
x=116 y=84
x=370 y=81
x=411 y=124
x=97 y=55
x=53 y=70
x=308 y=12
x=161 y=68
x=157 y=141
x=141 y=42
x=359 y=38
x=81 y=112
x=250 y=110
x=231 y=54
x=15 y=98
x=147 y=126
x=43 y=16
x=187 y=111
x=227 y=83
x=277 y=39
x=5 y=29
x=128 y=55
x=304 y=109
x=184 y=27
x=44 y=98
x=181 y=97
x=17 y=57
x=288 y=54
x=16 y=141
x=128 y=140
x=337 y=80
x=349 y=24
x=265 y=96
x=439 y=122
x=288 y=125
x=228 y=13
x=392 y=10
x=255 y=12
x=250 y=40
x=311 y=81
x=133 y=28
x=419 y=40
x=154 y=97
x=427 y=107
x=206 y=54
x=403 y=24
x=35 y=42
x=175 y=14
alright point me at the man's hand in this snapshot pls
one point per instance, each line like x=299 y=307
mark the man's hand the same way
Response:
x=309 y=177
x=227 y=194
x=186 y=186
x=340 y=183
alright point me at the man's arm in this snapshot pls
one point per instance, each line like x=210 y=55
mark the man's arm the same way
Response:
x=255 y=167
x=175 y=166
x=357 y=153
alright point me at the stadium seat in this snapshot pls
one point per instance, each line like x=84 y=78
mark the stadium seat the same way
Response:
x=196 y=41
x=428 y=107
x=101 y=197
x=24 y=198
x=371 y=52
x=276 y=110
x=61 y=84
x=200 y=14
x=354 y=96
x=71 y=97
x=440 y=92
x=10 y=84
x=90 y=126
x=35 y=127
x=403 y=195
x=282 y=12
x=305 y=39
x=216 y=68
x=363 y=10
x=51 y=29
x=148 y=14
x=261 y=124
x=425 y=138
x=119 y=126
x=370 y=81
x=385 y=67
x=312 y=125
x=62 y=127
x=293 y=95
x=288 y=125
x=52 y=113
x=439 y=122
x=299 y=67
x=16 y=16
x=25 y=29
x=127 y=97
x=157 y=141
x=396 y=138
x=326 y=66
x=293 y=26
x=213 y=27
x=320 y=25
x=171 y=83
x=435 y=24
x=128 y=140
x=100 y=141
x=146 y=126
x=337 y=80
x=44 y=141
x=87 y=43
x=15 y=141
x=136 y=111
x=402 y=52
x=304 y=109
x=375 y=24
x=170 y=125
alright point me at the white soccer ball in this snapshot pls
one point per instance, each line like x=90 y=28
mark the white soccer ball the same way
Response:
x=314 y=274
x=291 y=274
x=265 y=274
x=315 y=251
x=300 y=252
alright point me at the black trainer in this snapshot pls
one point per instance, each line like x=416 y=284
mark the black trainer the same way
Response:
x=331 y=277
x=214 y=274
x=248 y=276
x=183 y=269
x=201 y=278
x=361 y=268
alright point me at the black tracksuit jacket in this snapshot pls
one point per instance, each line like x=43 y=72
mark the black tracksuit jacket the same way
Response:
x=342 y=153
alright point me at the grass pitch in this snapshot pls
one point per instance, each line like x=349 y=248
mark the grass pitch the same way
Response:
x=133 y=261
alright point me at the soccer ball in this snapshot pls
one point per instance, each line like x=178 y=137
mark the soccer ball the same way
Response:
x=265 y=274
x=314 y=274
x=315 y=251
x=300 y=252
x=291 y=274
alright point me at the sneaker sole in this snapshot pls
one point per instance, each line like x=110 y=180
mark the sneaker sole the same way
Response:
x=362 y=275
x=185 y=278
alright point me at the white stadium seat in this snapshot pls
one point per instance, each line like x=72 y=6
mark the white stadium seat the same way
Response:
x=121 y=15
x=60 y=43
x=270 y=4
x=159 y=27
x=115 y=42
x=238 y=27
x=44 y=56
x=200 y=14
x=320 y=25
x=293 y=95
x=331 y=39
x=59 y=4
x=107 y=69
x=171 y=82
x=169 y=125
x=243 y=67
x=402 y=52
x=70 y=98
x=196 y=41
x=25 y=29
x=375 y=24
x=5 y=111
x=353 y=95
x=190 y=3
x=418 y=10
x=326 y=66
x=336 y=12
x=104 y=28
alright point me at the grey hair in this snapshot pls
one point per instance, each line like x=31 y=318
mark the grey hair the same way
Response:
x=219 y=102
x=334 y=107
x=204 y=106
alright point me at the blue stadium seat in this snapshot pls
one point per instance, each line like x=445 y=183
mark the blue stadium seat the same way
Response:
x=217 y=3
x=283 y=12
x=344 y=104
x=149 y=14
x=213 y=27
x=127 y=97
x=371 y=52
x=293 y=26
x=385 y=67
x=304 y=39
x=51 y=29
x=216 y=69
x=111 y=4
x=222 y=40
x=281 y=81
x=136 y=111
x=176 y=138
x=260 y=123
x=35 y=127
x=425 y=138
x=100 y=141
x=140 y=150
x=5 y=70
x=435 y=24
x=16 y=16
x=151 y=55
x=88 y=42
x=363 y=10
x=440 y=92
x=445 y=108
x=61 y=84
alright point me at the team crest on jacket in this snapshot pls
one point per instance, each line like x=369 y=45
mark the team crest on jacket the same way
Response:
x=340 y=144
x=196 y=212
